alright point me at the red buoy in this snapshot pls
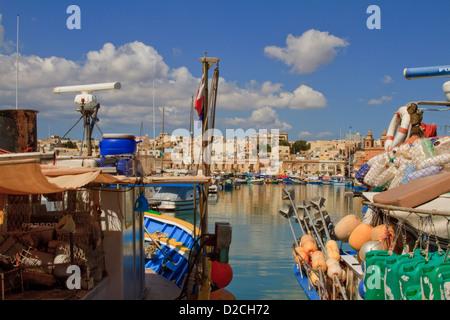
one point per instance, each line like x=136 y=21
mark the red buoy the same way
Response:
x=221 y=274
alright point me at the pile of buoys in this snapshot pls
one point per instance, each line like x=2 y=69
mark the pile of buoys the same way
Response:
x=328 y=263
x=363 y=237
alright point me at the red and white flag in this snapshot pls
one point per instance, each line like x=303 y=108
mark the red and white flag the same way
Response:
x=198 y=103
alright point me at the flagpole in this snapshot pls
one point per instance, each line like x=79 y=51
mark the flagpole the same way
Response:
x=205 y=286
x=204 y=292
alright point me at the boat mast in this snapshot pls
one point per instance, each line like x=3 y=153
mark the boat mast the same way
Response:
x=204 y=291
x=154 y=132
x=192 y=133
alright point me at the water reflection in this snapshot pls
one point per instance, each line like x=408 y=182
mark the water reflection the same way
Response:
x=260 y=252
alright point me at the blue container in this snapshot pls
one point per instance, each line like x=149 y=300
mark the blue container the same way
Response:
x=124 y=166
x=112 y=145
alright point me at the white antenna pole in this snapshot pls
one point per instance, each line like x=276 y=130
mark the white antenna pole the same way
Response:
x=154 y=132
x=17 y=65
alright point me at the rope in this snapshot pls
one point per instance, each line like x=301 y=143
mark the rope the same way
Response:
x=52 y=147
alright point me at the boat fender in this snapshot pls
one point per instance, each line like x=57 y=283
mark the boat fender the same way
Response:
x=400 y=123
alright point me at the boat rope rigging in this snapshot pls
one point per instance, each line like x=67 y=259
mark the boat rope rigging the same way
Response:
x=425 y=220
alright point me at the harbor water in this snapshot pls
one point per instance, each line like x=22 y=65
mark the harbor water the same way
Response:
x=261 y=249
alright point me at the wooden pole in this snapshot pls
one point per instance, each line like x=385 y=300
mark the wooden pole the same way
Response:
x=204 y=291
x=205 y=286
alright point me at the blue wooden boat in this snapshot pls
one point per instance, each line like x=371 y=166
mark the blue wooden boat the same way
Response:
x=168 y=244
x=359 y=187
x=302 y=279
x=338 y=183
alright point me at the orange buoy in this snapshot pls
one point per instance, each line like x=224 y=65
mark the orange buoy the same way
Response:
x=309 y=247
x=360 y=235
x=304 y=256
x=345 y=227
x=305 y=238
x=221 y=294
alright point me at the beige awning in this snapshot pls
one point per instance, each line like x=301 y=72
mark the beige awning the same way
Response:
x=28 y=176
x=25 y=177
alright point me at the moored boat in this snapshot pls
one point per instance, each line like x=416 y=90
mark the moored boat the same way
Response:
x=169 y=244
x=255 y=180
x=357 y=186
x=175 y=197
x=398 y=247
x=240 y=181
x=315 y=181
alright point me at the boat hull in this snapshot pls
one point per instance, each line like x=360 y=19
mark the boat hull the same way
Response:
x=177 y=242
x=302 y=279
x=187 y=205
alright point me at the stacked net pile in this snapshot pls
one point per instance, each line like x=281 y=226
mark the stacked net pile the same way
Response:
x=407 y=162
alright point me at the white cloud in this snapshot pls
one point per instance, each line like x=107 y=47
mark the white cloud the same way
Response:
x=387 y=79
x=138 y=67
x=306 y=135
x=308 y=52
x=262 y=118
x=379 y=101
x=268 y=94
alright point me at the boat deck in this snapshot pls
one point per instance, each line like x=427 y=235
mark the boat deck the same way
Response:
x=158 y=287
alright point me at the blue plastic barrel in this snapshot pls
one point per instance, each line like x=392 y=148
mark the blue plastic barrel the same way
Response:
x=116 y=144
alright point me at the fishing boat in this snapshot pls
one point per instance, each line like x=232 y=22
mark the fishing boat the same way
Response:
x=297 y=180
x=175 y=197
x=316 y=248
x=255 y=180
x=240 y=181
x=213 y=189
x=399 y=248
x=271 y=181
x=338 y=182
x=77 y=233
x=169 y=244
x=315 y=180
x=358 y=186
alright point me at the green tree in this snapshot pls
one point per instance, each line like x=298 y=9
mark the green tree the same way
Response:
x=69 y=144
x=300 y=145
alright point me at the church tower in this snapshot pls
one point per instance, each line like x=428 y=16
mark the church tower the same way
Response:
x=369 y=143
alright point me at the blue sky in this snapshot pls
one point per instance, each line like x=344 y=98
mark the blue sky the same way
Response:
x=309 y=68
